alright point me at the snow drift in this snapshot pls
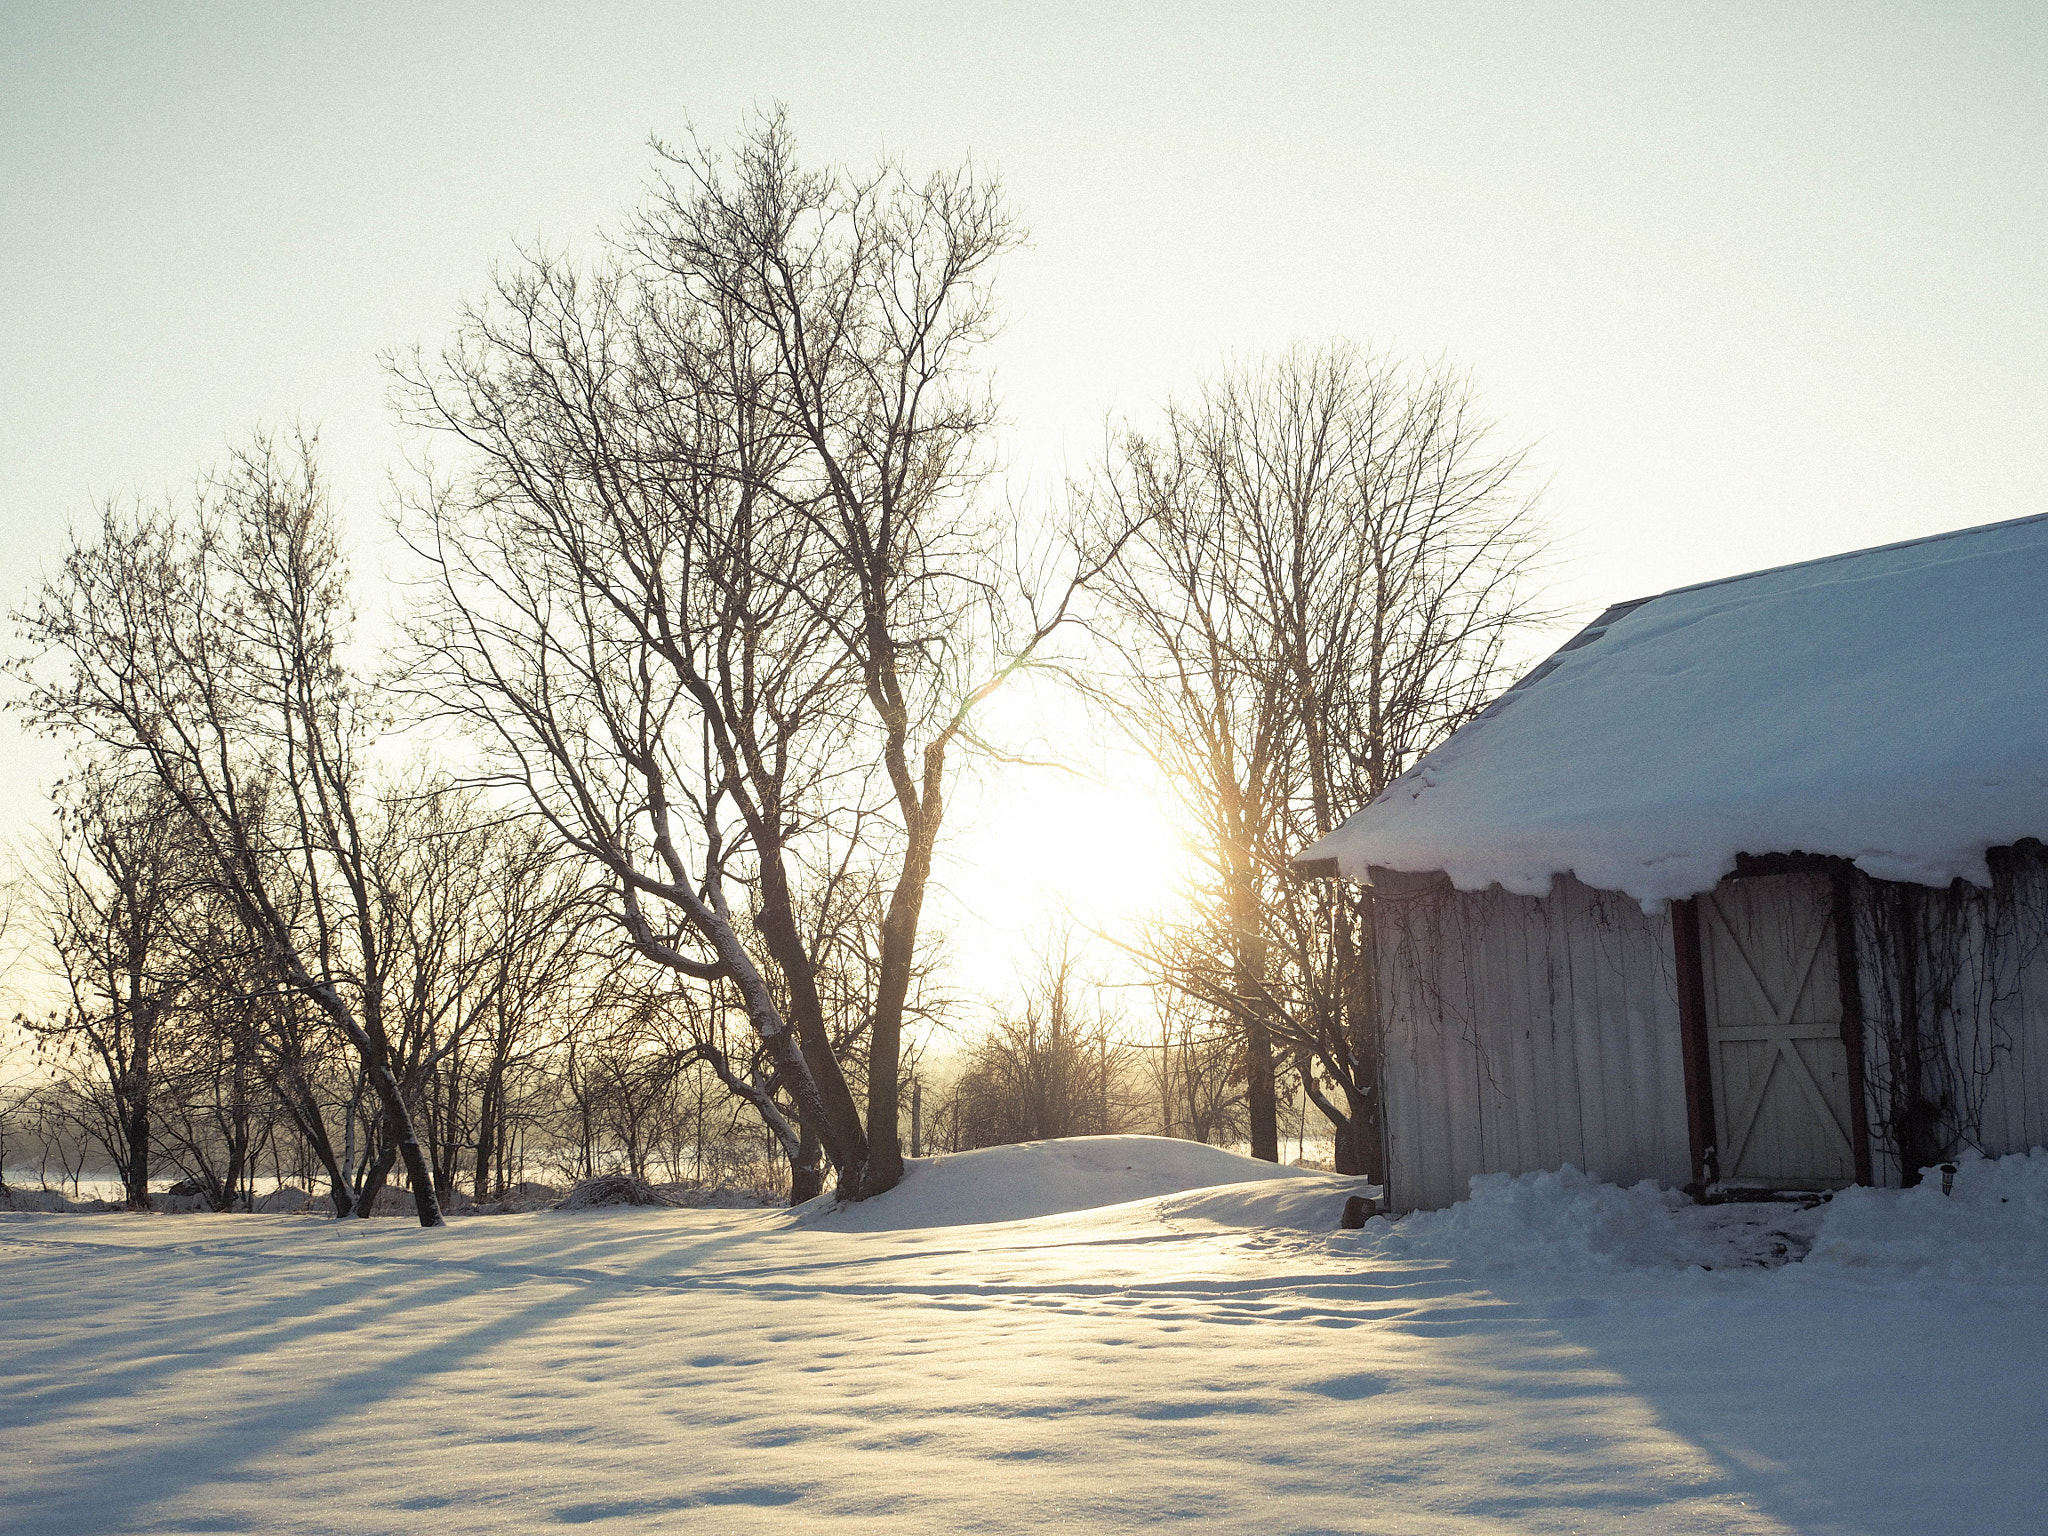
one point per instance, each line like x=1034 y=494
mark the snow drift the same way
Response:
x=1311 y=1203
x=1559 y=1221
x=1882 y=706
x=1046 y=1178
x=1992 y=1228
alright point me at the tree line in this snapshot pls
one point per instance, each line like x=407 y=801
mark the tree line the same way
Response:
x=710 y=577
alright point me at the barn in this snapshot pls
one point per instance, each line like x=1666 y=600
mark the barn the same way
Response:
x=1742 y=890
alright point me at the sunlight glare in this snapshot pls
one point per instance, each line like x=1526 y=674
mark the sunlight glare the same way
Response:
x=1039 y=843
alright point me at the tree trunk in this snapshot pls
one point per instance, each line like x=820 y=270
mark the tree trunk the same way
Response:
x=1344 y=1154
x=398 y=1122
x=231 y=1182
x=841 y=1136
x=135 y=1167
x=807 y=1173
x=445 y=1133
x=1359 y=994
x=1261 y=1101
x=371 y=1184
x=884 y=1168
x=486 y=1134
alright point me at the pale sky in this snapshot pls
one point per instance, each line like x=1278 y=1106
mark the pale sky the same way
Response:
x=1757 y=282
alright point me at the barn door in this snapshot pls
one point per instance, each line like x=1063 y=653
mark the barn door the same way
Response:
x=1780 y=1066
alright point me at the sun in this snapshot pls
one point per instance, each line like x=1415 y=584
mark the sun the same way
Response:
x=1034 y=844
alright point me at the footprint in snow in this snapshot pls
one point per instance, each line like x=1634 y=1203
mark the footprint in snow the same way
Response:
x=1351 y=1387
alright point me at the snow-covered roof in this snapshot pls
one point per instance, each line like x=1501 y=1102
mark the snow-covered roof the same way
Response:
x=1888 y=706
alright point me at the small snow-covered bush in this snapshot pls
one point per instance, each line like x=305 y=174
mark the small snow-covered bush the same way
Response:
x=613 y=1189
x=721 y=1197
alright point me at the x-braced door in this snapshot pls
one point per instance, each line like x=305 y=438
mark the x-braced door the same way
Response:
x=1779 y=1057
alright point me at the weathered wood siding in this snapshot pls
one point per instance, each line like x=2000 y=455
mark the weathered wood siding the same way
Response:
x=1522 y=1033
x=1961 y=974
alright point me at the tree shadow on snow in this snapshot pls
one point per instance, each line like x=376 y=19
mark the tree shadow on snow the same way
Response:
x=93 y=1498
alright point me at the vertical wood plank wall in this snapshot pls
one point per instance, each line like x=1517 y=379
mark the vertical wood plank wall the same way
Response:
x=2016 y=1097
x=1524 y=1032
x=1981 y=963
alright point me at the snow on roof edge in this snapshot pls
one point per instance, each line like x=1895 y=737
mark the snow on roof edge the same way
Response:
x=1673 y=870
x=1846 y=554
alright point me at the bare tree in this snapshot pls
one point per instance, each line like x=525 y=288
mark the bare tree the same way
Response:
x=526 y=932
x=113 y=894
x=208 y=650
x=597 y=622
x=1333 y=553
x=1054 y=1067
x=712 y=554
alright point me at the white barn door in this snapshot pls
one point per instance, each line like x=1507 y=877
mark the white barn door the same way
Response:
x=1774 y=1027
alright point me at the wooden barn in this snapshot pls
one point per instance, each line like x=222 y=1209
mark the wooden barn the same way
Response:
x=1742 y=890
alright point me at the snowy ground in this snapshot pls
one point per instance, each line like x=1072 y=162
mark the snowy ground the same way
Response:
x=971 y=1353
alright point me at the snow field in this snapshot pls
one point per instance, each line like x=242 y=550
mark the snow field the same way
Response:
x=1207 y=1355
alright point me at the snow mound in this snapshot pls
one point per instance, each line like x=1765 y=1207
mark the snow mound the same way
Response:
x=1044 y=1178
x=1312 y=1203
x=394 y=1201
x=1993 y=1227
x=50 y=1202
x=1561 y=1221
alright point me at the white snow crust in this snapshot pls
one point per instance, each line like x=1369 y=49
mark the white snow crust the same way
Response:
x=1885 y=706
x=1042 y=1178
x=1550 y=1356
x=1562 y=1221
x=1992 y=1228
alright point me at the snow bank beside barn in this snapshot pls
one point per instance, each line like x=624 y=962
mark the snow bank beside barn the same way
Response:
x=1884 y=706
x=1991 y=1228
x=1557 y=1221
